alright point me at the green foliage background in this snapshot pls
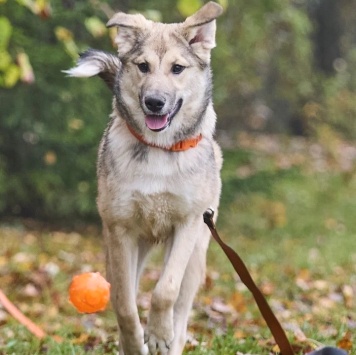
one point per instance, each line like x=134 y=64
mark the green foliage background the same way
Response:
x=266 y=78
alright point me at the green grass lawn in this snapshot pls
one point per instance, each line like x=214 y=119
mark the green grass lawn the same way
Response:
x=288 y=208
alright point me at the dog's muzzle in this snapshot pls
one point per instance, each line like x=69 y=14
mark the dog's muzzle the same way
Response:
x=156 y=120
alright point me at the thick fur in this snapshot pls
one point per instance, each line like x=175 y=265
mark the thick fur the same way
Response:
x=148 y=195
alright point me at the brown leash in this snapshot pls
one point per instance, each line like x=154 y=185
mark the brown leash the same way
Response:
x=241 y=269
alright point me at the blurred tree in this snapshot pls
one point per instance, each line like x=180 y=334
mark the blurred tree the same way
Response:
x=332 y=107
x=281 y=65
x=328 y=33
x=49 y=128
x=263 y=64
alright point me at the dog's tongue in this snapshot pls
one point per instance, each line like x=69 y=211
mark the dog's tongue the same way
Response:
x=156 y=122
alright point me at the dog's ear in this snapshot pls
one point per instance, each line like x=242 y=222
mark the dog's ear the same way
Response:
x=131 y=27
x=199 y=29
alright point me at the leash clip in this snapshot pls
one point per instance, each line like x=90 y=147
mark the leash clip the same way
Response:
x=208 y=217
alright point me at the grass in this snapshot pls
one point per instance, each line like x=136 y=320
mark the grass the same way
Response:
x=288 y=208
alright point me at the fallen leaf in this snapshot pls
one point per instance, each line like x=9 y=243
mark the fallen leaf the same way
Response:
x=237 y=301
x=345 y=342
x=348 y=294
x=240 y=334
x=220 y=307
x=30 y=290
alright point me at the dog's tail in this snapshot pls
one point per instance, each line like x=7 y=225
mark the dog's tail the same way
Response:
x=93 y=62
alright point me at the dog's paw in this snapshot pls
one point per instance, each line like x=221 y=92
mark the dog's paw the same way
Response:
x=156 y=345
x=159 y=332
x=144 y=350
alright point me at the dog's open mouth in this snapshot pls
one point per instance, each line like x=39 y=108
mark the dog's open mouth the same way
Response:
x=158 y=123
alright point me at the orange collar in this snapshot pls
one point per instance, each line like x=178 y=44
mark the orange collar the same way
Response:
x=177 y=147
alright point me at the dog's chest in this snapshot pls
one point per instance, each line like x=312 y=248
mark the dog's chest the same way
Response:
x=157 y=214
x=151 y=197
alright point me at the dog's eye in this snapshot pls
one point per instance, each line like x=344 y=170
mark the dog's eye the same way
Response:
x=143 y=67
x=177 y=69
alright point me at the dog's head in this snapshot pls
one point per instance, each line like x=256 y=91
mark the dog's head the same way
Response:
x=162 y=79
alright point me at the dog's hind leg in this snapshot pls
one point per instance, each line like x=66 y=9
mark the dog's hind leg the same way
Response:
x=122 y=255
x=144 y=248
x=194 y=276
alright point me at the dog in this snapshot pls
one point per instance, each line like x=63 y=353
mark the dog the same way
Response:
x=158 y=169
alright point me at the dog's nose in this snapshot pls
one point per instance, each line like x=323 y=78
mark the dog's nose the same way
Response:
x=154 y=104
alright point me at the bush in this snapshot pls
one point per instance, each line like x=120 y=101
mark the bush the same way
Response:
x=50 y=129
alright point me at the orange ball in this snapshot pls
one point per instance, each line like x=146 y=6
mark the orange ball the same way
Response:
x=89 y=292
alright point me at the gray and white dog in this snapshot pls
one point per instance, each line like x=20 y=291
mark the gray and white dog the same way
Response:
x=158 y=169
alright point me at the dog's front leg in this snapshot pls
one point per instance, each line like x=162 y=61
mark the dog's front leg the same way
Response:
x=159 y=332
x=121 y=264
